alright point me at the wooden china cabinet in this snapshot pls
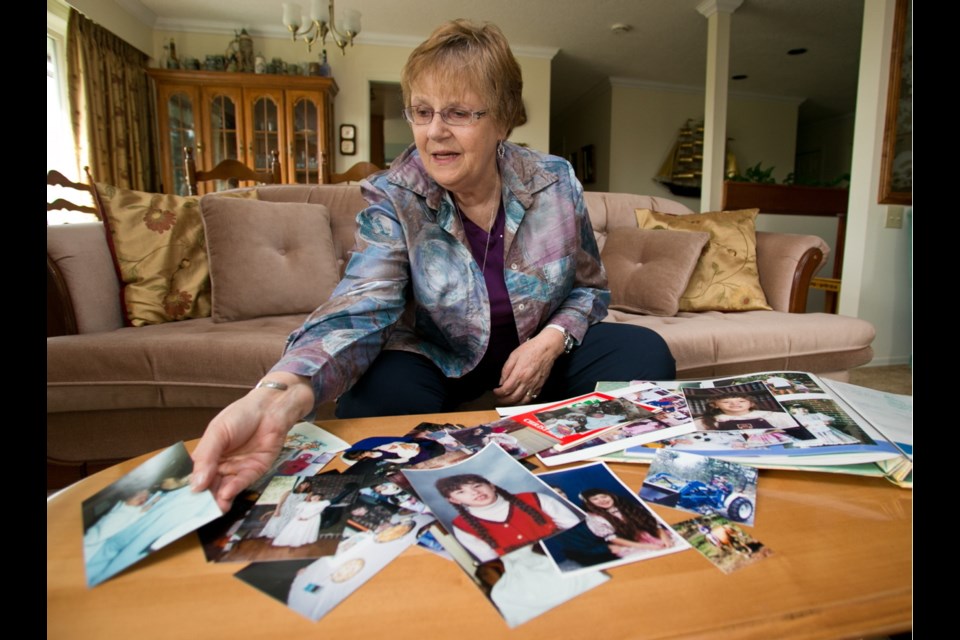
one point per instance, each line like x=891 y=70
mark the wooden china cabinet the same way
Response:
x=244 y=116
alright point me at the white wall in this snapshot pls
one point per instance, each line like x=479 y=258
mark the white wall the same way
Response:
x=877 y=263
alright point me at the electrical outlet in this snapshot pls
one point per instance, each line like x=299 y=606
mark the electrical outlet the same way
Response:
x=894 y=217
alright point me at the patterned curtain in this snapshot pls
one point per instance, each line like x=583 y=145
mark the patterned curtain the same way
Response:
x=111 y=107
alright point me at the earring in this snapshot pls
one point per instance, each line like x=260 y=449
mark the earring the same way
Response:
x=500 y=149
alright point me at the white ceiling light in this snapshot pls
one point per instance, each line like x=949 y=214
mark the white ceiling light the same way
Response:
x=321 y=23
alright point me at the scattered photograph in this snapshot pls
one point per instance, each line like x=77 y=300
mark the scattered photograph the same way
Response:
x=508 y=434
x=578 y=419
x=492 y=504
x=314 y=588
x=142 y=512
x=618 y=529
x=722 y=542
x=522 y=584
x=439 y=432
x=295 y=517
x=748 y=406
x=702 y=485
x=779 y=383
x=382 y=455
x=306 y=450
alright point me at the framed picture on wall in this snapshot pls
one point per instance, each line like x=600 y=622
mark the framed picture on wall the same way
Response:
x=348 y=139
x=896 y=163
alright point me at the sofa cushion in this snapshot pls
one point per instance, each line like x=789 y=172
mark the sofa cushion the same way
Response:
x=709 y=344
x=726 y=277
x=648 y=269
x=159 y=252
x=268 y=258
x=191 y=363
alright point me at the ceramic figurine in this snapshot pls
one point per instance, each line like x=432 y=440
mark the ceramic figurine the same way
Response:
x=324 y=66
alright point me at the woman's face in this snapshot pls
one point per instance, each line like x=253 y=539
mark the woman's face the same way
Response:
x=733 y=405
x=473 y=494
x=601 y=500
x=460 y=159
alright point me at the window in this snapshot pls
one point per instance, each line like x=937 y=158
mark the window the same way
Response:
x=61 y=153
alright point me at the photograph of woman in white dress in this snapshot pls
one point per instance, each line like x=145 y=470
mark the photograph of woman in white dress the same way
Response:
x=304 y=527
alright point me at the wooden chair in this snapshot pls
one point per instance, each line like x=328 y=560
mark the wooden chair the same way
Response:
x=229 y=170
x=355 y=173
x=61 y=319
x=55 y=178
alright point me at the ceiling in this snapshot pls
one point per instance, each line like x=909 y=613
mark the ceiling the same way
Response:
x=666 y=44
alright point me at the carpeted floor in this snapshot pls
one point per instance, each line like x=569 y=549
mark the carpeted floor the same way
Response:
x=892 y=379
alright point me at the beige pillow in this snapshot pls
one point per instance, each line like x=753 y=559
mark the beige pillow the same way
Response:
x=726 y=277
x=648 y=269
x=268 y=258
x=158 y=249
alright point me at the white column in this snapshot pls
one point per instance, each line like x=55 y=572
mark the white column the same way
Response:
x=718 y=14
x=876 y=281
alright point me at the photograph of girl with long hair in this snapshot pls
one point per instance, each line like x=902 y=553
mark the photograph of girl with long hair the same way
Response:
x=492 y=504
x=616 y=518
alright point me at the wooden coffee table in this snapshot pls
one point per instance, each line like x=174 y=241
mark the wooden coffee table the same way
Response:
x=841 y=567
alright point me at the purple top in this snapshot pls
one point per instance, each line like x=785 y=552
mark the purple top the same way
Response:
x=503 y=328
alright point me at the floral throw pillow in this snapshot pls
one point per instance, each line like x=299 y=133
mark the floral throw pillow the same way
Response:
x=726 y=277
x=160 y=253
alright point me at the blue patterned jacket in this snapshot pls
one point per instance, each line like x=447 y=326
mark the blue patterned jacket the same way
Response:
x=413 y=285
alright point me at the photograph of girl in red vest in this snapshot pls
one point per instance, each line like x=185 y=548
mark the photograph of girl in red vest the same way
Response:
x=492 y=521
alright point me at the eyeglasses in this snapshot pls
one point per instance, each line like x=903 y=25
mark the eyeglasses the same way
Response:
x=451 y=115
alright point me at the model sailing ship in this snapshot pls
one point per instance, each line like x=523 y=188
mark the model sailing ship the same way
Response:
x=682 y=171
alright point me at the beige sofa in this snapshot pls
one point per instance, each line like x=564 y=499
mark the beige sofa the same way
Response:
x=114 y=392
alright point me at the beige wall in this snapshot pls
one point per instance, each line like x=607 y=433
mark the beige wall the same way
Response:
x=109 y=15
x=645 y=121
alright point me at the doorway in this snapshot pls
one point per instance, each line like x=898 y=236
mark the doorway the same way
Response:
x=389 y=132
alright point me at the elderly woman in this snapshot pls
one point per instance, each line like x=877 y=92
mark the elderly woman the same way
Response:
x=475 y=269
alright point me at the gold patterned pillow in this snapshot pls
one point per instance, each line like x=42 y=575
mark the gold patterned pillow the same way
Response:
x=726 y=276
x=160 y=253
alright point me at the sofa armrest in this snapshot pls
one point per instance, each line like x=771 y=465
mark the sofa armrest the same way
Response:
x=83 y=291
x=787 y=263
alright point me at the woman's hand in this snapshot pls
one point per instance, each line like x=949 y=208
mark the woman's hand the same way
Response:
x=528 y=367
x=242 y=442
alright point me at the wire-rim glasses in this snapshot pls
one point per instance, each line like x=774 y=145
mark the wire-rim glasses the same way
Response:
x=453 y=116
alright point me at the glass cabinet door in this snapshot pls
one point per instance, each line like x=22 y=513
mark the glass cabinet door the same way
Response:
x=178 y=111
x=223 y=134
x=183 y=133
x=306 y=152
x=263 y=130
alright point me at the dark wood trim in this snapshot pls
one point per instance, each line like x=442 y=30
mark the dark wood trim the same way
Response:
x=785 y=198
x=806 y=267
x=797 y=200
x=268 y=80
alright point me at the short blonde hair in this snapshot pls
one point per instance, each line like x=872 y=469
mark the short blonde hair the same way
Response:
x=461 y=53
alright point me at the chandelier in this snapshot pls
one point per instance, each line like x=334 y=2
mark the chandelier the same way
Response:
x=320 y=23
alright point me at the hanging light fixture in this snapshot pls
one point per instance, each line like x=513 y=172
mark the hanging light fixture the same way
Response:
x=320 y=23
